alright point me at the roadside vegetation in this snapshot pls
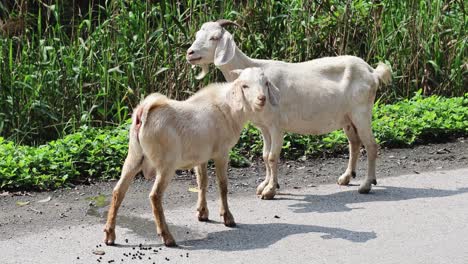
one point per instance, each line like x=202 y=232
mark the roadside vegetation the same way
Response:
x=72 y=71
x=66 y=64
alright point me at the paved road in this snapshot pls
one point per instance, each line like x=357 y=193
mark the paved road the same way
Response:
x=420 y=218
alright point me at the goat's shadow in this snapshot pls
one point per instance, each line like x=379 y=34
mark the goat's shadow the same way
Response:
x=243 y=237
x=258 y=236
x=340 y=201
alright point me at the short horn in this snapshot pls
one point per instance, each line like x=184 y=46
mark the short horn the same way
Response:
x=225 y=22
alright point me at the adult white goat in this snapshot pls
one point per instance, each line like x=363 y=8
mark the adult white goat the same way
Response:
x=166 y=135
x=317 y=97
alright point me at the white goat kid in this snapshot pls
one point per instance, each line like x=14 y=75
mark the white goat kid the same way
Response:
x=166 y=135
x=317 y=97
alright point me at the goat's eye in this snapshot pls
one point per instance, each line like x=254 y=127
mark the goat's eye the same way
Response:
x=245 y=86
x=214 y=38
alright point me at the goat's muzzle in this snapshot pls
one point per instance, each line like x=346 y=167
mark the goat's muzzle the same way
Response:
x=261 y=100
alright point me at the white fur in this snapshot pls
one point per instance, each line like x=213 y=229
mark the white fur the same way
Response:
x=166 y=135
x=317 y=97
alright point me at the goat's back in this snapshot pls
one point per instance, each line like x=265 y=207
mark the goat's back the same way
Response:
x=186 y=133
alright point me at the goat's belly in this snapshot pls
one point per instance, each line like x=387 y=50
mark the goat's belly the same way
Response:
x=316 y=126
x=192 y=161
x=187 y=166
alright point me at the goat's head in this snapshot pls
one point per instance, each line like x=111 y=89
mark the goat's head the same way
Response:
x=252 y=90
x=213 y=44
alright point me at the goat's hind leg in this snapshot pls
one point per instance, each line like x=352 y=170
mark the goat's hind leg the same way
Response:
x=354 y=146
x=130 y=168
x=364 y=131
x=163 y=177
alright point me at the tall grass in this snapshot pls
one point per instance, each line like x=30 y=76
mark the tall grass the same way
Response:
x=63 y=65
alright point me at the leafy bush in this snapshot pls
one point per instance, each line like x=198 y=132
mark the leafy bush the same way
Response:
x=66 y=64
x=88 y=153
x=93 y=153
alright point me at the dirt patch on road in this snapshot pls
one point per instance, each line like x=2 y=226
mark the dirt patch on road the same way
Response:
x=82 y=205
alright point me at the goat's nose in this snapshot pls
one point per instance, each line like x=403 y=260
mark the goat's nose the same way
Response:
x=261 y=98
x=190 y=52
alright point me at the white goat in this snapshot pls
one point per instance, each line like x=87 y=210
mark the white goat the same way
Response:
x=166 y=135
x=317 y=97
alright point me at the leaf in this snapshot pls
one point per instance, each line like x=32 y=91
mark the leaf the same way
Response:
x=163 y=69
x=99 y=200
x=20 y=203
x=99 y=252
x=193 y=189
x=115 y=69
x=45 y=200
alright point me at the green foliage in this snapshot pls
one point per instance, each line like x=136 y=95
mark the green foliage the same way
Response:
x=88 y=153
x=93 y=153
x=60 y=69
x=420 y=119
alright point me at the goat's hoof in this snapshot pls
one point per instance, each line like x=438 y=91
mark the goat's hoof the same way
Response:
x=268 y=194
x=228 y=219
x=109 y=242
x=353 y=174
x=344 y=179
x=110 y=236
x=168 y=240
x=170 y=243
x=261 y=187
x=364 y=188
x=374 y=181
x=203 y=215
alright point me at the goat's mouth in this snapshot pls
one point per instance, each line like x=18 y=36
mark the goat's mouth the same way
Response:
x=193 y=60
x=260 y=105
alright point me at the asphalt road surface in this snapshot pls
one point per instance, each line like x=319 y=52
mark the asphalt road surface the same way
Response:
x=419 y=218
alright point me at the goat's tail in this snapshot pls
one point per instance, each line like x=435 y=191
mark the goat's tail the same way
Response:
x=140 y=115
x=383 y=73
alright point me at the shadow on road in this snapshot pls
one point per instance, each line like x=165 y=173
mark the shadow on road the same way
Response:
x=257 y=236
x=243 y=237
x=339 y=201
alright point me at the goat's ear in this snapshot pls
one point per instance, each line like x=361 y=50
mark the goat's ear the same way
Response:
x=225 y=50
x=236 y=97
x=273 y=93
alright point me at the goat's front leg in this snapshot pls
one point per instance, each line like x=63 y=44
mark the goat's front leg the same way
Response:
x=202 y=180
x=130 y=169
x=162 y=181
x=273 y=157
x=221 y=174
x=266 y=151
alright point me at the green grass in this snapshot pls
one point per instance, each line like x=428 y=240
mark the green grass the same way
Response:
x=62 y=70
x=98 y=154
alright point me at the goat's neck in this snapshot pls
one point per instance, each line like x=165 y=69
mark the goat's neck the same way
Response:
x=235 y=119
x=239 y=61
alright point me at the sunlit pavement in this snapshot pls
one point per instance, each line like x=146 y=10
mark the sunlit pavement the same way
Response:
x=419 y=218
